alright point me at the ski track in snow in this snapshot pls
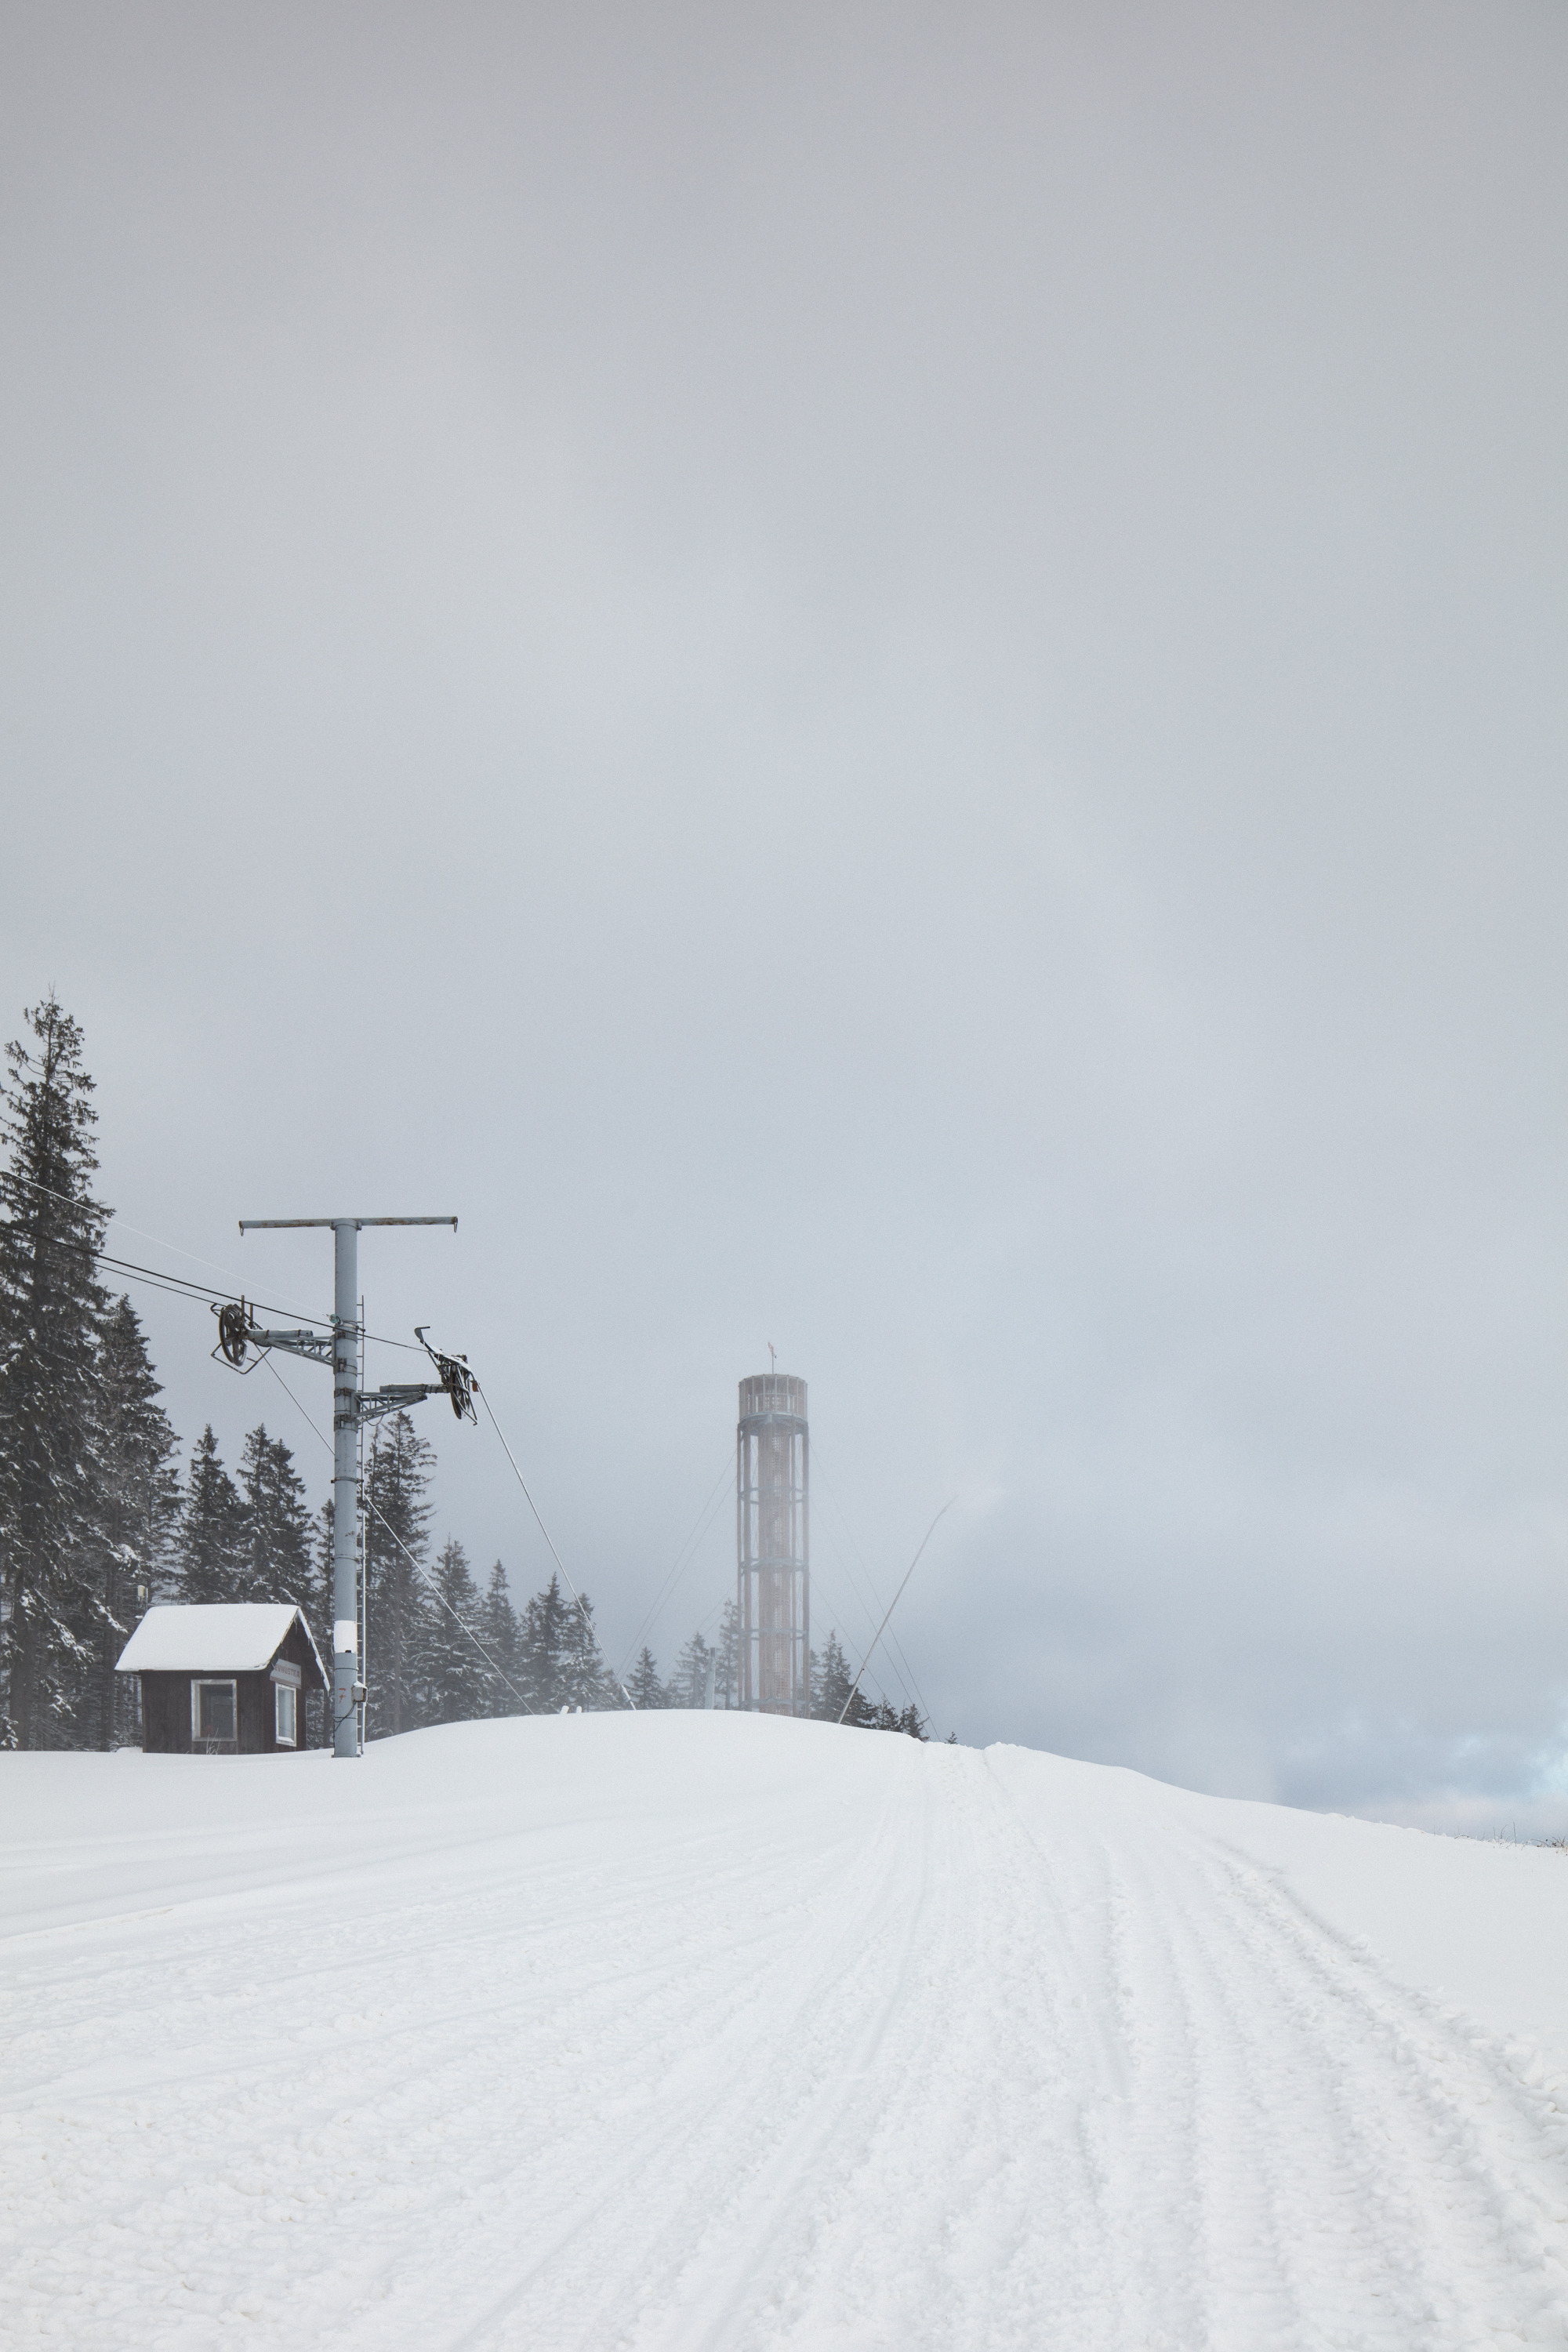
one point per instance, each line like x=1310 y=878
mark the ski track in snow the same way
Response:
x=702 y=2031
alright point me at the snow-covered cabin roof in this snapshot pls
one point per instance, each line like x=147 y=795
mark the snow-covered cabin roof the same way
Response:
x=221 y=1637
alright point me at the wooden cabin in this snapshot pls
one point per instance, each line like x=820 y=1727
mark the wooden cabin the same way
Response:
x=228 y=1679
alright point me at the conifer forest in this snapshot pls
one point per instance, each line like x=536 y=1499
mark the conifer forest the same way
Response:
x=105 y=1511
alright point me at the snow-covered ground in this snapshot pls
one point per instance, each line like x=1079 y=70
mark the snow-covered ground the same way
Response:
x=696 y=2030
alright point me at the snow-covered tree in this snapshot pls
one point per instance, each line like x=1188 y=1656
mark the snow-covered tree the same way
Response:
x=455 y=1676
x=545 y=1650
x=51 y=1307
x=559 y=1661
x=647 y=1691
x=831 y=1680
x=689 y=1683
x=137 y=1498
x=277 y=1522
x=498 y=1632
x=831 y=1683
x=587 y=1681
x=209 y=1548
x=316 y=1603
x=727 y=1674
x=397 y=1523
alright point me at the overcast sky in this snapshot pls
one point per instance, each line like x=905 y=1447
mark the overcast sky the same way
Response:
x=889 y=679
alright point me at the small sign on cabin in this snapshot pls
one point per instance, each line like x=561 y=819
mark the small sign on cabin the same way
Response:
x=230 y=1679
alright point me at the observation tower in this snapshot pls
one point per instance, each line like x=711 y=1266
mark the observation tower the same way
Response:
x=772 y=1545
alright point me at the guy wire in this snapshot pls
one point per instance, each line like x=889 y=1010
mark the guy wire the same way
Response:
x=544 y=1531
x=417 y=1565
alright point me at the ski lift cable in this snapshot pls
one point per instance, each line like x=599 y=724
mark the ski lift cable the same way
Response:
x=171 y=1288
x=902 y=1664
x=873 y=1680
x=212 y=1265
x=544 y=1531
x=819 y=1583
x=894 y=1644
x=896 y=1647
x=683 y=1559
x=897 y=1597
x=175 y=1285
x=180 y=1285
x=841 y=1562
x=156 y=1277
x=417 y=1565
x=202 y=1292
x=899 y=1666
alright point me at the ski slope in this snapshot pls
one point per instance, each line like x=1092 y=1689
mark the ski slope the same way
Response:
x=698 y=2030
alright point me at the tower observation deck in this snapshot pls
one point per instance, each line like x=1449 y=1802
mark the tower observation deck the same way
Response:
x=773 y=1542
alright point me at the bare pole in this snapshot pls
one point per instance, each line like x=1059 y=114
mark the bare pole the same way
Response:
x=894 y=1602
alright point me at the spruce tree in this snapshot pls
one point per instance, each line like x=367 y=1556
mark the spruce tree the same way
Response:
x=689 y=1684
x=886 y=1716
x=277 y=1522
x=586 y=1679
x=455 y=1674
x=50 y=1310
x=209 y=1550
x=862 y=1714
x=830 y=1680
x=398 y=1522
x=545 y=1650
x=137 y=1494
x=727 y=1674
x=498 y=1632
x=648 y=1692
x=831 y=1683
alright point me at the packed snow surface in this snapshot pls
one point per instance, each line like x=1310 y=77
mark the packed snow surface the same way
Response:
x=703 y=2029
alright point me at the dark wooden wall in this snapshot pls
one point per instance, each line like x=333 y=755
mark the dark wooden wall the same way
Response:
x=258 y=1715
x=166 y=1705
x=166 y=1714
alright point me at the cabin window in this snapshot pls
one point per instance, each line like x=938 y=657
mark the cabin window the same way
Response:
x=287 y=1701
x=213 y=1711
